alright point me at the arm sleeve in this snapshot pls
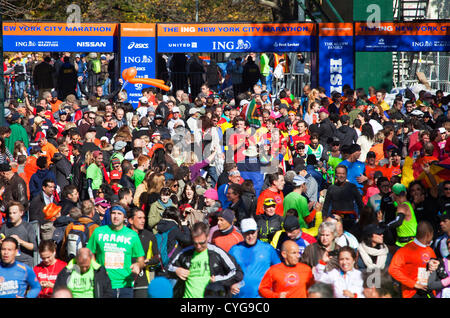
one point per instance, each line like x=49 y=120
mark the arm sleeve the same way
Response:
x=326 y=205
x=265 y=287
x=434 y=283
x=35 y=287
x=396 y=270
x=397 y=221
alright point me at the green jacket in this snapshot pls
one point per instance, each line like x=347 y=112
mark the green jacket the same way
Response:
x=17 y=133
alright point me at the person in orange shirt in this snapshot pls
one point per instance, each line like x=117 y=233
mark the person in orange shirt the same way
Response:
x=47 y=149
x=426 y=159
x=226 y=236
x=54 y=102
x=30 y=164
x=411 y=265
x=275 y=191
x=290 y=279
x=394 y=167
x=377 y=148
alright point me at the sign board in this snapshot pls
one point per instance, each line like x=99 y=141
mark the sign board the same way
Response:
x=336 y=58
x=406 y=37
x=289 y=37
x=137 y=49
x=62 y=37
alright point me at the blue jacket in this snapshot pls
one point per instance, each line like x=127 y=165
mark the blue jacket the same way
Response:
x=316 y=175
x=16 y=279
x=254 y=261
x=37 y=179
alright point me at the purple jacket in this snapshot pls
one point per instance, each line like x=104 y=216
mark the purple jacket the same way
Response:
x=196 y=167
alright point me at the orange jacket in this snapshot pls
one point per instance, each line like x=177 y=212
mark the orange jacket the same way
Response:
x=277 y=196
x=405 y=265
x=282 y=278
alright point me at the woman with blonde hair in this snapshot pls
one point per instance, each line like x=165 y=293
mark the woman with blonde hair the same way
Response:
x=155 y=182
x=312 y=113
x=83 y=188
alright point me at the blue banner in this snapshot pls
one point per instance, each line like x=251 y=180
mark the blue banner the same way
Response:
x=180 y=44
x=335 y=62
x=138 y=51
x=406 y=43
x=61 y=43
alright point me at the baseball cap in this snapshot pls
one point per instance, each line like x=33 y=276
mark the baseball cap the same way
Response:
x=398 y=188
x=120 y=145
x=444 y=215
x=102 y=202
x=156 y=133
x=371 y=154
x=291 y=223
x=442 y=130
x=270 y=202
x=143 y=100
x=244 y=102
x=115 y=175
x=396 y=152
x=377 y=174
x=77 y=55
x=176 y=109
x=248 y=225
x=7 y=112
x=298 y=180
x=5 y=167
x=417 y=112
x=372 y=229
x=344 y=118
x=159 y=116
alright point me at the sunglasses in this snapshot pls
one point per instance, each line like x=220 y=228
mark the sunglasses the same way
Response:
x=175 y=185
x=447 y=189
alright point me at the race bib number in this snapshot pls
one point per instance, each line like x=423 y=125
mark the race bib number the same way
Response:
x=114 y=260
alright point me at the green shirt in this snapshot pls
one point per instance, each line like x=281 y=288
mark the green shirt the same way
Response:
x=81 y=285
x=114 y=250
x=298 y=202
x=138 y=177
x=95 y=173
x=17 y=133
x=199 y=275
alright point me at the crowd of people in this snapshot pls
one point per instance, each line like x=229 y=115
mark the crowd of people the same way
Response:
x=207 y=195
x=61 y=73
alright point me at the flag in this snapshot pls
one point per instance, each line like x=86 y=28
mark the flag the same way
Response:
x=251 y=114
x=440 y=171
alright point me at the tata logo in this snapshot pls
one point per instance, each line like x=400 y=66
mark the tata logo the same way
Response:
x=231 y=45
x=381 y=41
x=138 y=45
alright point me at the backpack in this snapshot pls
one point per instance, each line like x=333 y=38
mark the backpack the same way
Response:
x=77 y=238
x=164 y=255
x=96 y=66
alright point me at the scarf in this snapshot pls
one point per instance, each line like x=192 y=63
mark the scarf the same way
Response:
x=366 y=252
x=165 y=205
